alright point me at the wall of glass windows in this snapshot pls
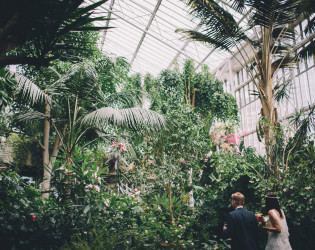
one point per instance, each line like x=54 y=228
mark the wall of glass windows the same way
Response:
x=301 y=94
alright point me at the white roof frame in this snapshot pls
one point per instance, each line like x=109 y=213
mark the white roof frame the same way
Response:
x=154 y=18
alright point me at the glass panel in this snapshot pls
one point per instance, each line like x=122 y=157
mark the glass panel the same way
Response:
x=304 y=90
x=311 y=77
x=238 y=78
x=310 y=62
x=246 y=94
x=244 y=110
x=302 y=66
x=298 y=94
x=237 y=97
x=297 y=34
x=244 y=75
x=242 y=97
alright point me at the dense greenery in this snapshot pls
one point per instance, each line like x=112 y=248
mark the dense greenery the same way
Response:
x=40 y=31
x=132 y=162
x=80 y=215
x=263 y=54
x=138 y=188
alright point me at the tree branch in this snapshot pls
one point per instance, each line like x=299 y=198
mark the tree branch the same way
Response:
x=39 y=143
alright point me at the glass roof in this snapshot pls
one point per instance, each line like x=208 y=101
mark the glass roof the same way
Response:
x=144 y=33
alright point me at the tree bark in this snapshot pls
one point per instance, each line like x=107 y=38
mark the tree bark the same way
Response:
x=266 y=98
x=46 y=163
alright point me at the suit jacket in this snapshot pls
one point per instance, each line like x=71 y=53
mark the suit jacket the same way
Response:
x=242 y=227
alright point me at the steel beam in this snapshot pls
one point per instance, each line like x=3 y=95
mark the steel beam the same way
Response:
x=146 y=30
x=146 y=9
x=107 y=23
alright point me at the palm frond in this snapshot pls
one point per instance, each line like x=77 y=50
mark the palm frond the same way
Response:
x=126 y=99
x=310 y=28
x=282 y=90
x=280 y=63
x=239 y=5
x=200 y=37
x=218 y=24
x=304 y=122
x=307 y=52
x=30 y=91
x=306 y=9
x=135 y=118
x=30 y=115
x=272 y=13
x=80 y=68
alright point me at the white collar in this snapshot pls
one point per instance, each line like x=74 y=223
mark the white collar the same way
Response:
x=239 y=207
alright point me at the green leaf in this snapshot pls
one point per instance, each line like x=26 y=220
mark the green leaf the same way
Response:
x=86 y=209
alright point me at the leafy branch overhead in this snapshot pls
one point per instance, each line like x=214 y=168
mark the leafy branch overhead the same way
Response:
x=36 y=32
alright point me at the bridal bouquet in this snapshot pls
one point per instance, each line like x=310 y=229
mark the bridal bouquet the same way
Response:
x=261 y=220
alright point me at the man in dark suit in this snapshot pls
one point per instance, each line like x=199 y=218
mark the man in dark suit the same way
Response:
x=242 y=226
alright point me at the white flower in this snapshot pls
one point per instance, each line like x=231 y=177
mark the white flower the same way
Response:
x=159 y=208
x=99 y=179
x=182 y=160
x=97 y=188
x=106 y=202
x=209 y=153
x=89 y=186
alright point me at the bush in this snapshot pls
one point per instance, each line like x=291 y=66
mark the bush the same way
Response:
x=80 y=216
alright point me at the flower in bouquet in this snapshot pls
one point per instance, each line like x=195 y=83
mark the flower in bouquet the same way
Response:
x=261 y=220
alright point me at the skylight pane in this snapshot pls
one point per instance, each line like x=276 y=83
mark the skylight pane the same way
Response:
x=148 y=40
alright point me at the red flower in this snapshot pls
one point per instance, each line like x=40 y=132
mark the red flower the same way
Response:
x=260 y=220
x=33 y=217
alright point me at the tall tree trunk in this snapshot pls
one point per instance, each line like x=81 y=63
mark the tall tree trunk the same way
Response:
x=55 y=151
x=191 y=200
x=266 y=98
x=47 y=166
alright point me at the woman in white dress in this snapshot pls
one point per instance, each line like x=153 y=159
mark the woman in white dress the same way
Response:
x=277 y=228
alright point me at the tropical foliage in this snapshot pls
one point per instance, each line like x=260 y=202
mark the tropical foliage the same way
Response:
x=262 y=53
x=106 y=159
x=42 y=31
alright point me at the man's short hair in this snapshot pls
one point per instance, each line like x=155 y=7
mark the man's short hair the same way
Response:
x=238 y=198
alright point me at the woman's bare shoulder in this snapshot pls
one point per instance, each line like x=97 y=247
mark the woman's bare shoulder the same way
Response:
x=273 y=212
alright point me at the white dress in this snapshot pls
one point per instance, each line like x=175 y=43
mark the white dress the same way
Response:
x=279 y=241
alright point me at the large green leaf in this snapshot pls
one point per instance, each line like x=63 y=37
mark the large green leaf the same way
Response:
x=136 y=118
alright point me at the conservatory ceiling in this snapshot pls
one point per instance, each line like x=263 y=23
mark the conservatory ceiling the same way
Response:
x=144 y=33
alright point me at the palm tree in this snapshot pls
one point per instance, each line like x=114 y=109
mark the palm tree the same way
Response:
x=74 y=104
x=39 y=31
x=262 y=54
